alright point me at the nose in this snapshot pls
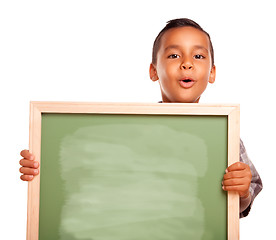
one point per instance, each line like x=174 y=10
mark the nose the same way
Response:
x=187 y=65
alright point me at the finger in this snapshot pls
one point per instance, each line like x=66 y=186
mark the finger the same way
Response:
x=236 y=167
x=235 y=174
x=26 y=177
x=235 y=182
x=238 y=188
x=28 y=171
x=27 y=155
x=29 y=163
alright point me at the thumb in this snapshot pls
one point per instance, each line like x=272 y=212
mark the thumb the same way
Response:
x=27 y=155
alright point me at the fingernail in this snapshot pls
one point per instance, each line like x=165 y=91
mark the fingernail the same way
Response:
x=35 y=164
x=31 y=157
x=226 y=171
x=35 y=171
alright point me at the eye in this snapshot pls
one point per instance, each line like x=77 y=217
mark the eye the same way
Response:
x=173 y=56
x=199 y=56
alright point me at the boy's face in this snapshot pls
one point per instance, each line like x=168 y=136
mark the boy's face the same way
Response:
x=183 y=65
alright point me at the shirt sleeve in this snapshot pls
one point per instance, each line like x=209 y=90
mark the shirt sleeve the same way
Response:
x=256 y=183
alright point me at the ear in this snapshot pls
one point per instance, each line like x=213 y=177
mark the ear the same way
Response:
x=212 y=76
x=153 y=73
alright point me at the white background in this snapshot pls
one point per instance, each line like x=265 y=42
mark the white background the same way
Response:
x=101 y=51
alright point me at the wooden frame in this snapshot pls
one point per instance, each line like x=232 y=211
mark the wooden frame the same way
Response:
x=38 y=108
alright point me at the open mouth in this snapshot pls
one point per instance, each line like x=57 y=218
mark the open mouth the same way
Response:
x=187 y=83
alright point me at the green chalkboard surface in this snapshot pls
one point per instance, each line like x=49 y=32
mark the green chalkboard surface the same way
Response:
x=132 y=177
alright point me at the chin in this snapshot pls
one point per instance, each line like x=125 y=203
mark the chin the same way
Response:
x=187 y=100
x=180 y=99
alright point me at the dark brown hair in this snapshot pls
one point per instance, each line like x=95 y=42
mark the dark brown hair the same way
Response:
x=175 y=23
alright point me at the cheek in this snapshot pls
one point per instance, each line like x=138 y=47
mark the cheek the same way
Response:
x=168 y=72
x=166 y=75
x=204 y=73
x=165 y=70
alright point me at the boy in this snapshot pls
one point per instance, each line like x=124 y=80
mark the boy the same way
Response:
x=183 y=63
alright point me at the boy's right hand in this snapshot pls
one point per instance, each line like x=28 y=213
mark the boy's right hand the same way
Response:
x=29 y=166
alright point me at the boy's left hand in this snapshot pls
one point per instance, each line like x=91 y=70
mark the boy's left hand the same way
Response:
x=237 y=178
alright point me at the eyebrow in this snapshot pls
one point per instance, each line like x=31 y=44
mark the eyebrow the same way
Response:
x=178 y=47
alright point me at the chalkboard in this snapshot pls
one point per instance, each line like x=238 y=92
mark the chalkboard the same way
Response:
x=109 y=173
